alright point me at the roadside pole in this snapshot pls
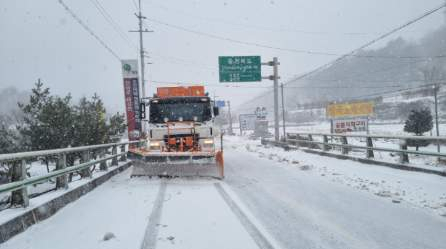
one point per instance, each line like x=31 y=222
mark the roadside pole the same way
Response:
x=141 y=54
x=276 y=100
x=248 y=69
x=368 y=123
x=275 y=77
x=436 y=115
x=283 y=113
x=230 y=118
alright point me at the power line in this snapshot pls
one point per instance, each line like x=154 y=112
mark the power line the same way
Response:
x=399 y=91
x=183 y=61
x=386 y=68
x=75 y=17
x=135 y=5
x=382 y=94
x=263 y=87
x=256 y=27
x=112 y=23
x=301 y=51
x=115 y=26
x=385 y=35
x=370 y=81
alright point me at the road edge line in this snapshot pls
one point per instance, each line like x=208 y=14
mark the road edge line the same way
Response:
x=257 y=232
x=151 y=232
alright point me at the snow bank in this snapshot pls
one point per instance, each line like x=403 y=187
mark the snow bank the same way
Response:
x=420 y=190
x=117 y=210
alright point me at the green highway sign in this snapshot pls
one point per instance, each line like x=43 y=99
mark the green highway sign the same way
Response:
x=239 y=68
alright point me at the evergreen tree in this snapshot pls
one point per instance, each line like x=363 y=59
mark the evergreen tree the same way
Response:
x=57 y=117
x=117 y=124
x=100 y=128
x=90 y=122
x=32 y=130
x=47 y=120
x=8 y=140
x=418 y=122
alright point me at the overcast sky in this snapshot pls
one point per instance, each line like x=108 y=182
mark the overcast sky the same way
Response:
x=39 y=39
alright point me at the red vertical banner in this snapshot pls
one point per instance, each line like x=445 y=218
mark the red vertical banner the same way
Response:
x=131 y=94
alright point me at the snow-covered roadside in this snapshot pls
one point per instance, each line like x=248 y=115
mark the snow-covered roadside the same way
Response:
x=38 y=168
x=10 y=213
x=421 y=161
x=428 y=162
x=112 y=216
x=418 y=189
x=375 y=128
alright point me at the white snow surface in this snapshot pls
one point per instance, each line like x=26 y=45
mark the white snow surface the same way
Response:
x=9 y=213
x=322 y=202
x=421 y=190
x=298 y=199
x=120 y=206
x=196 y=216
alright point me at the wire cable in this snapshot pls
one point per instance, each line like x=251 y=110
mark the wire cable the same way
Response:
x=90 y=31
x=230 y=85
x=310 y=52
x=256 y=27
x=381 y=37
x=112 y=23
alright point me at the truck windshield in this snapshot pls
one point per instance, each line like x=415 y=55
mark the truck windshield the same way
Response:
x=193 y=109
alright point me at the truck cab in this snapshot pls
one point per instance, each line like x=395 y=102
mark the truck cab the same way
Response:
x=181 y=128
x=181 y=119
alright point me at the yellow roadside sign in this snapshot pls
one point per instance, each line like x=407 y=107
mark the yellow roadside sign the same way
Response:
x=350 y=109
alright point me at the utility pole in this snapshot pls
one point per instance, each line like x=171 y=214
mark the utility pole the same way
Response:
x=141 y=47
x=283 y=113
x=444 y=13
x=141 y=52
x=276 y=98
x=275 y=77
x=436 y=115
x=230 y=118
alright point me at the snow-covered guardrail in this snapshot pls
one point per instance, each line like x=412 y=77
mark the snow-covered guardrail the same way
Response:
x=20 y=180
x=354 y=145
x=301 y=139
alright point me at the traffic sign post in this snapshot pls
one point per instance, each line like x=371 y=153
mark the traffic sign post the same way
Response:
x=248 y=69
x=239 y=68
x=220 y=103
x=275 y=77
x=247 y=122
x=231 y=132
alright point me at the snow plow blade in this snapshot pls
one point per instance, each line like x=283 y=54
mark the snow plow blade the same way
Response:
x=177 y=164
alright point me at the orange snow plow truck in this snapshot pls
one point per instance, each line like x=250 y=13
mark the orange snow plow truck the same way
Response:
x=181 y=138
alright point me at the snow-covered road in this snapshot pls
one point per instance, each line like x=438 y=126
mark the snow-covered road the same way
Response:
x=269 y=199
x=146 y=213
x=303 y=207
x=121 y=206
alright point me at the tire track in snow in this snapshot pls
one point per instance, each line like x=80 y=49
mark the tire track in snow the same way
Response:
x=255 y=233
x=151 y=233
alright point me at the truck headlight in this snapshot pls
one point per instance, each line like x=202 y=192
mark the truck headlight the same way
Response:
x=208 y=141
x=154 y=145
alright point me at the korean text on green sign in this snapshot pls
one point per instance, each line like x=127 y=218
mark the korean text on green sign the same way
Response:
x=239 y=68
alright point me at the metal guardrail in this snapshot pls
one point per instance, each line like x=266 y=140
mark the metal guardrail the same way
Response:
x=439 y=138
x=305 y=139
x=19 y=161
x=37 y=153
